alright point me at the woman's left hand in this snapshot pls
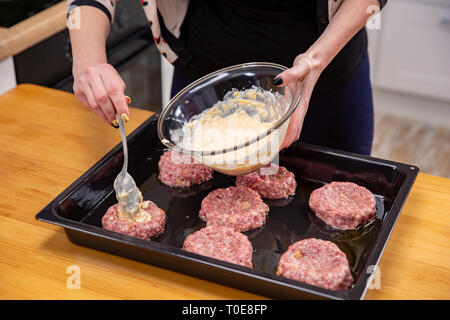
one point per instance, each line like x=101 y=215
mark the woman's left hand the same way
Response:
x=306 y=69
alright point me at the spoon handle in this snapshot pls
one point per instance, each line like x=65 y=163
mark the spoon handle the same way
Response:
x=124 y=143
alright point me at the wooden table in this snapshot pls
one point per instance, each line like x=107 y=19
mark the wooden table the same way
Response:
x=48 y=139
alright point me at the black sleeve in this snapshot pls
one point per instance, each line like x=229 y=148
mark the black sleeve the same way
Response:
x=382 y=3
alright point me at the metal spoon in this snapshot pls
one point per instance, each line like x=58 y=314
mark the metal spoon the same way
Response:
x=127 y=192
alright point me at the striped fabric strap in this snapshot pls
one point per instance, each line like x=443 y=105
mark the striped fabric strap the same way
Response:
x=106 y=6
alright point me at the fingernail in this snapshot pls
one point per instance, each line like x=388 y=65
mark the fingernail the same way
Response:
x=125 y=117
x=128 y=99
x=115 y=123
x=277 y=81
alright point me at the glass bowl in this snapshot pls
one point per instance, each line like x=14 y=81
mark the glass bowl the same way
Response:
x=252 y=152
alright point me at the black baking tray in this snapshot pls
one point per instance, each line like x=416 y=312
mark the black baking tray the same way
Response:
x=80 y=207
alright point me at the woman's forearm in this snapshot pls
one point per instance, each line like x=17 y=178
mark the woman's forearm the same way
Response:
x=96 y=83
x=89 y=41
x=307 y=67
x=351 y=16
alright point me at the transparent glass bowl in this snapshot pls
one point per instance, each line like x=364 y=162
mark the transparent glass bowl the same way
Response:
x=253 y=152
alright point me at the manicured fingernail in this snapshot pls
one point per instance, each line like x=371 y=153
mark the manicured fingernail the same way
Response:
x=115 y=124
x=128 y=99
x=125 y=117
x=277 y=81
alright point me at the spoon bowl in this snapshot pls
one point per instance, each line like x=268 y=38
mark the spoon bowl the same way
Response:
x=127 y=192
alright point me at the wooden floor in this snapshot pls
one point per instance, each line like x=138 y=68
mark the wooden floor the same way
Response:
x=413 y=142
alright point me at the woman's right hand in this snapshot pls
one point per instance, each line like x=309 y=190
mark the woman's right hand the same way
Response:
x=100 y=88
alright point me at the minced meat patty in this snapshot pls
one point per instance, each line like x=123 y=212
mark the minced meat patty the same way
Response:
x=177 y=170
x=221 y=243
x=143 y=230
x=316 y=262
x=240 y=208
x=271 y=182
x=343 y=205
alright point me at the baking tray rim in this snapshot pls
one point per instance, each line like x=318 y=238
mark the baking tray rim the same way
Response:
x=358 y=291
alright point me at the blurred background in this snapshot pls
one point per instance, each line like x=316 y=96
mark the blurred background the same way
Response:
x=410 y=69
x=409 y=54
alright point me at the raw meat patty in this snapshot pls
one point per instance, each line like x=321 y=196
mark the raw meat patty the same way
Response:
x=143 y=230
x=221 y=243
x=278 y=185
x=343 y=205
x=316 y=262
x=240 y=208
x=177 y=170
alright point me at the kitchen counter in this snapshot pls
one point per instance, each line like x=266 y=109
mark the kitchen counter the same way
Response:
x=33 y=30
x=49 y=139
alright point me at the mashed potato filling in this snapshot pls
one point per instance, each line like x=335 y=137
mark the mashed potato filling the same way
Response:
x=138 y=212
x=239 y=118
